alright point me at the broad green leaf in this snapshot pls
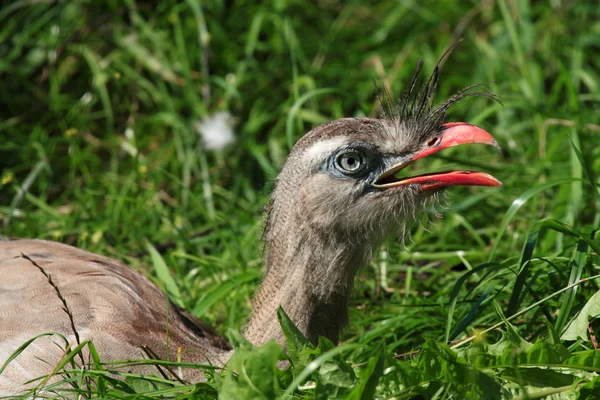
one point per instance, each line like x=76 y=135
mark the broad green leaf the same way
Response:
x=542 y=353
x=322 y=359
x=578 y=327
x=512 y=344
x=335 y=378
x=538 y=377
x=588 y=360
x=299 y=348
x=547 y=353
x=368 y=379
x=590 y=390
x=252 y=373
x=141 y=385
x=437 y=362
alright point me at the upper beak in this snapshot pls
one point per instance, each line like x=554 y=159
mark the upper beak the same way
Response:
x=454 y=134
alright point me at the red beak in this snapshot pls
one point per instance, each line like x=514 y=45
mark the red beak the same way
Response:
x=455 y=134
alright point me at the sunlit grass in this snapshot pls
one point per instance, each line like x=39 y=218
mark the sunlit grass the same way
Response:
x=98 y=148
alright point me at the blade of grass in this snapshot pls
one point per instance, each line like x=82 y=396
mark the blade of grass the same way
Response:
x=101 y=384
x=24 y=188
x=456 y=291
x=568 y=299
x=164 y=274
x=25 y=345
x=516 y=205
x=222 y=290
x=525 y=310
x=289 y=123
x=586 y=171
x=520 y=282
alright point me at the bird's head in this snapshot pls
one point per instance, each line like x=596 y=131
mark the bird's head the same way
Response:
x=341 y=179
x=339 y=193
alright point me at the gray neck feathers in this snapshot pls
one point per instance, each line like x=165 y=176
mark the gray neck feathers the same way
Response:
x=310 y=269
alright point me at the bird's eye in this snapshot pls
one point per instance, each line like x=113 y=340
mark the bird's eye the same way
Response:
x=350 y=162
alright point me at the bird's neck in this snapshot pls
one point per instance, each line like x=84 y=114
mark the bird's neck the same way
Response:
x=310 y=276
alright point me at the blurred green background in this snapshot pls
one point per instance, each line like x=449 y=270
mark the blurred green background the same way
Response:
x=101 y=102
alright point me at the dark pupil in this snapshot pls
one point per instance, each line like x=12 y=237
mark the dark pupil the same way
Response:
x=350 y=162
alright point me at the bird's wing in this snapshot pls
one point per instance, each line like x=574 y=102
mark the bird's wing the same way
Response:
x=118 y=309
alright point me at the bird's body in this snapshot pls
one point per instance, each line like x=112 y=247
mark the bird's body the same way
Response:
x=335 y=200
x=117 y=308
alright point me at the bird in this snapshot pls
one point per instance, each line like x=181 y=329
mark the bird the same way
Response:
x=338 y=195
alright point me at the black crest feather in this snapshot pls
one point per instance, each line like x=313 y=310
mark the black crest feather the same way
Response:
x=415 y=109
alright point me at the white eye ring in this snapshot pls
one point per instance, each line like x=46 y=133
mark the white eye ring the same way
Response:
x=350 y=162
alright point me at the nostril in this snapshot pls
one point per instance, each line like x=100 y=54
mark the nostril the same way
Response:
x=433 y=141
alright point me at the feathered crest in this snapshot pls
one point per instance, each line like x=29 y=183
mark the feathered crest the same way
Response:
x=415 y=107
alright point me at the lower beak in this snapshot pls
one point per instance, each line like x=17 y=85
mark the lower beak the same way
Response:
x=452 y=178
x=454 y=134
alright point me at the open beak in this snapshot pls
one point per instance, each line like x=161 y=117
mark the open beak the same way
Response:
x=454 y=134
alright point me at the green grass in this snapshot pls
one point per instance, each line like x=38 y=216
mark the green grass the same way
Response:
x=98 y=149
